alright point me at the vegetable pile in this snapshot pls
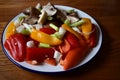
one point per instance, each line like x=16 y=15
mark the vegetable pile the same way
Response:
x=46 y=34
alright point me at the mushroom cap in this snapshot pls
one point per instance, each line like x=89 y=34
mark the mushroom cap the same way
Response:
x=31 y=11
x=32 y=15
x=50 y=9
x=72 y=19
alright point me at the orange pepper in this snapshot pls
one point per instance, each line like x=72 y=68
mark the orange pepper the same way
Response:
x=68 y=28
x=86 y=27
x=10 y=30
x=44 y=38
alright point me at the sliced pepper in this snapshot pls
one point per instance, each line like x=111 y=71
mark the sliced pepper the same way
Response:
x=16 y=45
x=75 y=56
x=47 y=30
x=10 y=30
x=68 y=28
x=86 y=27
x=39 y=54
x=44 y=38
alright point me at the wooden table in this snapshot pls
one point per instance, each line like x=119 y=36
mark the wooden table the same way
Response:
x=105 y=65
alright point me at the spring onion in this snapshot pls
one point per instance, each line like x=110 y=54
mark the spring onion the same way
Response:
x=60 y=33
x=78 y=23
x=44 y=45
x=54 y=26
x=67 y=22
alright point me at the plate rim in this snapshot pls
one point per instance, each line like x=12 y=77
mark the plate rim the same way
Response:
x=32 y=70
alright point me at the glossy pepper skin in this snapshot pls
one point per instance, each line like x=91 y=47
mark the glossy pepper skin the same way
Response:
x=47 y=30
x=93 y=39
x=75 y=56
x=69 y=29
x=44 y=38
x=39 y=54
x=10 y=30
x=16 y=45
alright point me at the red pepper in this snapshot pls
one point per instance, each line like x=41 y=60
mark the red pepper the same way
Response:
x=64 y=47
x=47 y=30
x=70 y=41
x=92 y=41
x=16 y=45
x=39 y=54
x=75 y=56
x=73 y=40
x=51 y=61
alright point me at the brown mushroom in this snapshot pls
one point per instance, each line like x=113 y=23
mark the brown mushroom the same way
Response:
x=43 y=17
x=72 y=16
x=50 y=9
x=32 y=15
x=31 y=11
x=61 y=15
x=30 y=20
x=72 y=19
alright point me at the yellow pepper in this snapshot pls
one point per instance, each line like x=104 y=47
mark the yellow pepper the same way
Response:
x=86 y=27
x=44 y=38
x=68 y=28
x=10 y=30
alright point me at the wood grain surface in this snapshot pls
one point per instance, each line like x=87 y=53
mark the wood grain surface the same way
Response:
x=104 y=66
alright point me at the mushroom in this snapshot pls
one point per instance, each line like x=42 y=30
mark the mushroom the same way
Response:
x=50 y=9
x=38 y=6
x=32 y=15
x=43 y=17
x=72 y=16
x=58 y=18
x=30 y=20
x=31 y=11
x=72 y=19
x=61 y=15
x=27 y=11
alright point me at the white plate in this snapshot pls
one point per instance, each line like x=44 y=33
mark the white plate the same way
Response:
x=46 y=68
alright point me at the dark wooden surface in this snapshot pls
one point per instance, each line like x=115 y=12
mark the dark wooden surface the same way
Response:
x=105 y=65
